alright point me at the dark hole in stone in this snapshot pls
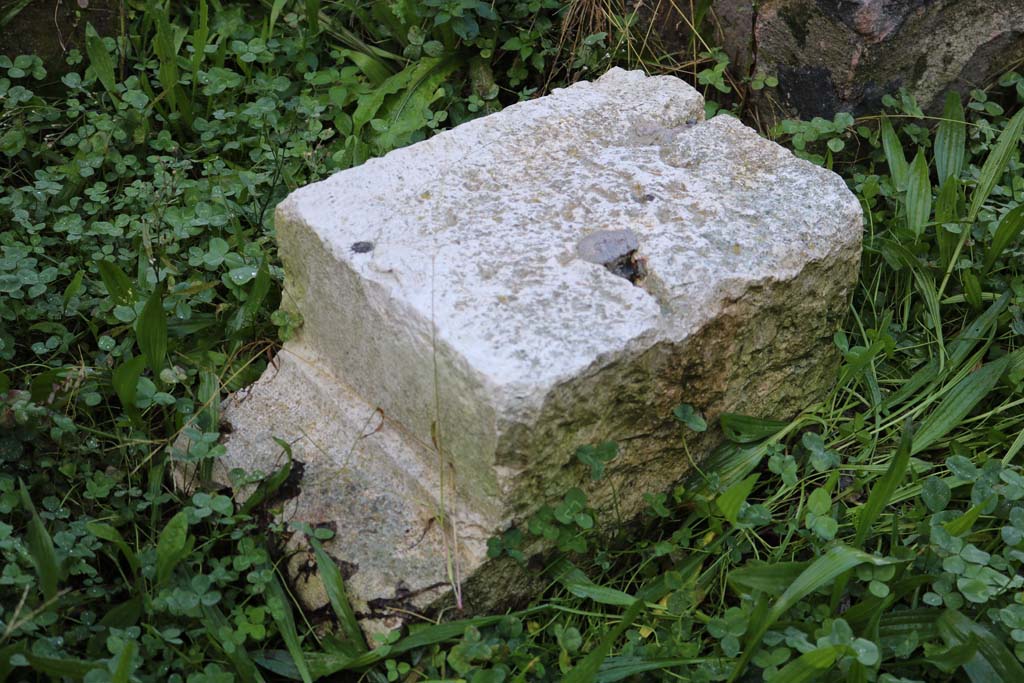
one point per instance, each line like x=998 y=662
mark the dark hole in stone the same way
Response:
x=347 y=569
x=616 y=250
x=292 y=485
x=630 y=267
x=362 y=247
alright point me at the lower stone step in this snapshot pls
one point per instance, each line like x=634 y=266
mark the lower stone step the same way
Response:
x=399 y=544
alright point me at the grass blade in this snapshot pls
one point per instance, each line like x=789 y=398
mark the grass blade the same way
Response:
x=374 y=69
x=269 y=485
x=856 y=362
x=587 y=669
x=280 y=609
x=407 y=112
x=955 y=657
x=1009 y=229
x=995 y=164
x=208 y=395
x=118 y=285
x=993 y=662
x=957 y=352
x=991 y=170
x=124 y=614
x=100 y=60
x=772 y=578
x=219 y=630
x=962 y=345
x=746 y=429
x=919 y=623
x=257 y=293
x=1016 y=447
x=334 y=584
x=323 y=664
x=919 y=195
x=579 y=584
x=8 y=652
x=7 y=15
x=61 y=667
x=732 y=499
x=881 y=492
x=368 y=105
x=838 y=560
x=872 y=607
x=810 y=665
x=972 y=288
x=947 y=210
x=151 y=331
x=618 y=668
x=171 y=546
x=40 y=548
x=732 y=462
x=275 y=12
x=958 y=403
x=687 y=570
x=313 y=16
x=950 y=139
x=819 y=573
x=166 y=52
x=112 y=535
x=926 y=288
x=600 y=594
x=72 y=290
x=125 y=380
x=352 y=42
x=200 y=37
x=894 y=154
x=208 y=419
x=123 y=671
x=958 y=526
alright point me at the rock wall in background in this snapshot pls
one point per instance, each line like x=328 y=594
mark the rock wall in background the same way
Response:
x=843 y=55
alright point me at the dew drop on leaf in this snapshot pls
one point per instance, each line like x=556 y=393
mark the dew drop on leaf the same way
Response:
x=242 y=275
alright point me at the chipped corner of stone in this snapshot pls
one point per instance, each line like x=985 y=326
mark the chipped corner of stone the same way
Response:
x=287 y=210
x=672 y=101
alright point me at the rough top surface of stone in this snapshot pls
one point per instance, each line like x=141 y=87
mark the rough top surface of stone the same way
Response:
x=478 y=232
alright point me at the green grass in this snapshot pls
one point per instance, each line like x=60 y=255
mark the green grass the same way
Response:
x=876 y=536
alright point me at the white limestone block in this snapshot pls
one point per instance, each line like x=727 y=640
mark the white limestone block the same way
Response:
x=560 y=273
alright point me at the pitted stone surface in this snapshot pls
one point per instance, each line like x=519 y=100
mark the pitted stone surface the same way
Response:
x=445 y=286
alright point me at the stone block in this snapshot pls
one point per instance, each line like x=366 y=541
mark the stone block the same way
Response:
x=479 y=305
x=844 y=55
